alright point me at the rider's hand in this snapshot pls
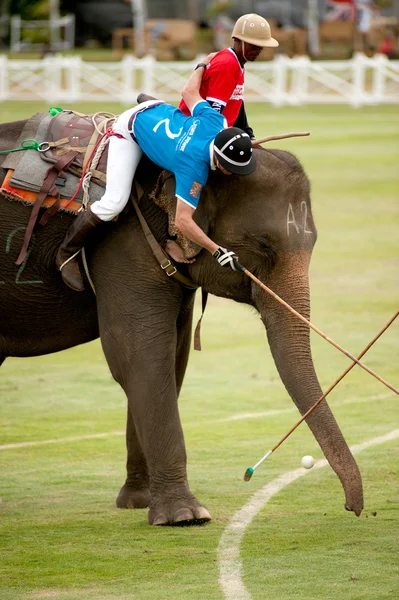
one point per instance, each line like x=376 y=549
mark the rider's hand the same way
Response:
x=226 y=258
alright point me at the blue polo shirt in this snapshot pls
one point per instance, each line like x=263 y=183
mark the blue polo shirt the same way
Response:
x=180 y=144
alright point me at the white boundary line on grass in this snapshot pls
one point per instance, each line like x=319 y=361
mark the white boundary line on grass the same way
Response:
x=78 y=438
x=239 y=417
x=230 y=565
x=281 y=411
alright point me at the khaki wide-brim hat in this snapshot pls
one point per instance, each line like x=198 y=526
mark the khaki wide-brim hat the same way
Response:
x=255 y=30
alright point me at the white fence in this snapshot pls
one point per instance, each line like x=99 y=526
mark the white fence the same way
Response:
x=293 y=81
x=55 y=26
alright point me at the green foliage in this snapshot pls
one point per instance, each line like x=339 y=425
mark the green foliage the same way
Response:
x=31 y=9
x=61 y=536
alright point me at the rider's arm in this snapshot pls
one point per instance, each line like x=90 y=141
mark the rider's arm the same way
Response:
x=242 y=122
x=190 y=91
x=186 y=224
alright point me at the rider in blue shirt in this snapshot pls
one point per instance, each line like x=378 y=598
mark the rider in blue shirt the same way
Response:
x=180 y=144
x=187 y=146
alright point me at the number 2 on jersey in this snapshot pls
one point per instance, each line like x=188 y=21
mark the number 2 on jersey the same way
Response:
x=168 y=132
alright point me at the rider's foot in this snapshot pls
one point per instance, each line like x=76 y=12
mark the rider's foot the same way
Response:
x=176 y=252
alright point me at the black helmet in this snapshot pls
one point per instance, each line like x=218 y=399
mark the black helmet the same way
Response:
x=233 y=149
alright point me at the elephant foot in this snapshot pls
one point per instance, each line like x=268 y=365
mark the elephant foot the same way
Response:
x=184 y=512
x=130 y=497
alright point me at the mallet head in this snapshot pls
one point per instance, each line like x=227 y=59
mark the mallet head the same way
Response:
x=248 y=474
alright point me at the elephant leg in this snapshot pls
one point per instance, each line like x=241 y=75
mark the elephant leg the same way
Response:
x=183 y=329
x=2 y=359
x=135 y=493
x=143 y=360
x=159 y=429
x=174 y=503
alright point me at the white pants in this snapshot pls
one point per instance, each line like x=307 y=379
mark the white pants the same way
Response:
x=364 y=16
x=123 y=158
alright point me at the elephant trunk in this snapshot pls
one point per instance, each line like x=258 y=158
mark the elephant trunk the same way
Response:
x=289 y=340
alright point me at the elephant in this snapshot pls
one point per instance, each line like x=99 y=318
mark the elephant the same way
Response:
x=144 y=318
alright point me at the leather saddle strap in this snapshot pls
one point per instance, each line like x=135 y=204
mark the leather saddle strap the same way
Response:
x=56 y=206
x=163 y=259
x=47 y=188
x=197 y=333
x=160 y=255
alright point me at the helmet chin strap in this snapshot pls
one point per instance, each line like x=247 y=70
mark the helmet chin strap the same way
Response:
x=243 y=50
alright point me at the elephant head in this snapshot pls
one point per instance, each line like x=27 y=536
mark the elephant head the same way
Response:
x=267 y=220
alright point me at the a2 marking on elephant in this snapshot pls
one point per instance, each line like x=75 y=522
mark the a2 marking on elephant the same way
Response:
x=267 y=220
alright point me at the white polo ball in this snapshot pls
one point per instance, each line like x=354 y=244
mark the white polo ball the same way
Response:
x=307 y=462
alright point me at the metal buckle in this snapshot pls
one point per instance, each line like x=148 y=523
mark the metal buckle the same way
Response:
x=166 y=266
x=44 y=146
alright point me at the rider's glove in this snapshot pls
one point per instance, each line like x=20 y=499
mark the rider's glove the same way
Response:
x=226 y=258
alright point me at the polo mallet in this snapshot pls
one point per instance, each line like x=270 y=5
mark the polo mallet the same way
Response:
x=250 y=471
x=281 y=136
x=316 y=329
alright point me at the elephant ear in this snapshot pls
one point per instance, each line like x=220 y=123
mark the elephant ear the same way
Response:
x=163 y=196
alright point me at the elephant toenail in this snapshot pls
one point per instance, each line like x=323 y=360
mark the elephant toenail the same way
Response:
x=202 y=513
x=183 y=514
x=160 y=520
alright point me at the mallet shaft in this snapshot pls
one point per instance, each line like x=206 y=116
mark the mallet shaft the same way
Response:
x=336 y=382
x=249 y=472
x=316 y=329
x=281 y=136
x=262 y=459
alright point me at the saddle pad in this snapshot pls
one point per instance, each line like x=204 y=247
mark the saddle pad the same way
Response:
x=30 y=171
x=29 y=197
x=29 y=131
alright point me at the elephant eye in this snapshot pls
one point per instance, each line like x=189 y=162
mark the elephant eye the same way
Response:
x=264 y=245
x=266 y=251
x=261 y=248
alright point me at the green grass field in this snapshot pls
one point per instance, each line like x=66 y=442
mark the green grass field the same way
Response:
x=61 y=536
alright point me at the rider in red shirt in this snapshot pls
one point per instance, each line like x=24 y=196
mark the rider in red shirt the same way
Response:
x=223 y=79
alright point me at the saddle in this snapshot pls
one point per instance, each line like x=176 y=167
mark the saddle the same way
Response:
x=75 y=135
x=76 y=143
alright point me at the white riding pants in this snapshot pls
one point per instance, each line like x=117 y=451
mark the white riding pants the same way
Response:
x=123 y=158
